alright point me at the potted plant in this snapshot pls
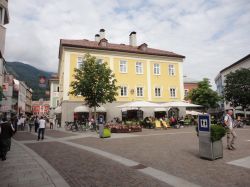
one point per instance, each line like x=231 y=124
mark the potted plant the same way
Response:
x=212 y=147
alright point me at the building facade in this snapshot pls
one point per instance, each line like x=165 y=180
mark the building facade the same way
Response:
x=28 y=102
x=189 y=84
x=54 y=92
x=220 y=82
x=4 y=19
x=40 y=108
x=143 y=73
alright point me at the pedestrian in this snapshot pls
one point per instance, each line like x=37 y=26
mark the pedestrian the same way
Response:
x=101 y=126
x=31 y=123
x=51 y=123
x=231 y=134
x=6 y=132
x=22 y=120
x=42 y=124
x=36 y=122
x=14 y=122
x=19 y=123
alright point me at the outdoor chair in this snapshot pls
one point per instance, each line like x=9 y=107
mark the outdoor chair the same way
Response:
x=157 y=124
x=165 y=124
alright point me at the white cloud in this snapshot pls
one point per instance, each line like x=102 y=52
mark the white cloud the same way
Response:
x=211 y=34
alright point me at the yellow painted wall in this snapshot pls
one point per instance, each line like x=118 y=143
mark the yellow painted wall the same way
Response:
x=132 y=80
x=164 y=81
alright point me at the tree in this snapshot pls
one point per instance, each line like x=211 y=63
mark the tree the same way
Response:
x=204 y=95
x=95 y=82
x=237 y=88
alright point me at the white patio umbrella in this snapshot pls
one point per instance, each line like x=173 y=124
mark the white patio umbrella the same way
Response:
x=192 y=112
x=179 y=104
x=139 y=104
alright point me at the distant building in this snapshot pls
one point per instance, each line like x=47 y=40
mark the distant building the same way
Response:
x=189 y=84
x=40 y=108
x=4 y=19
x=28 y=102
x=220 y=81
x=54 y=91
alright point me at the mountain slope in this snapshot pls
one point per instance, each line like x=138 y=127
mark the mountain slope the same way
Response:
x=30 y=75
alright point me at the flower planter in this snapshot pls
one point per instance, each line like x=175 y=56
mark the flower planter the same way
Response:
x=211 y=150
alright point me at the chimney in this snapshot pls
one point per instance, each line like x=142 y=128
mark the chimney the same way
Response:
x=132 y=38
x=97 y=37
x=102 y=34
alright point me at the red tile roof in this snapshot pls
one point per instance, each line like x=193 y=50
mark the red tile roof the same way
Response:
x=116 y=47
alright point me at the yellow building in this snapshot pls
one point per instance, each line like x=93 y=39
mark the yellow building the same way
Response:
x=142 y=73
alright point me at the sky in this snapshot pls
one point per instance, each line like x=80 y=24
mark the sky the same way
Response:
x=212 y=34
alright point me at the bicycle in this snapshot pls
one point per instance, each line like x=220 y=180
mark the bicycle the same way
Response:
x=68 y=125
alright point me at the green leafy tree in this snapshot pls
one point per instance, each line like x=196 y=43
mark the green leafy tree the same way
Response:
x=237 y=88
x=95 y=82
x=204 y=95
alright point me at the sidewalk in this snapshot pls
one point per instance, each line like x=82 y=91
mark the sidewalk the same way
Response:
x=24 y=168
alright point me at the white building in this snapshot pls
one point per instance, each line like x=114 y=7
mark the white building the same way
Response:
x=4 y=19
x=221 y=77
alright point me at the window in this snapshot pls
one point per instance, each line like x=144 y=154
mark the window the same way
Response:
x=99 y=61
x=123 y=66
x=124 y=91
x=139 y=68
x=139 y=91
x=173 y=92
x=157 y=69
x=186 y=92
x=79 y=62
x=171 y=69
x=1 y=15
x=57 y=88
x=157 y=92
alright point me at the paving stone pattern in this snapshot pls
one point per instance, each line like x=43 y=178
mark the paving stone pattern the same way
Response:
x=21 y=170
x=178 y=154
x=58 y=134
x=82 y=168
x=22 y=136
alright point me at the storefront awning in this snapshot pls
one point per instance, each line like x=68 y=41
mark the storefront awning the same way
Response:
x=160 y=109
x=58 y=110
x=81 y=109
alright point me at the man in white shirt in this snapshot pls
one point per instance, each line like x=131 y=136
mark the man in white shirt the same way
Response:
x=41 y=129
x=230 y=131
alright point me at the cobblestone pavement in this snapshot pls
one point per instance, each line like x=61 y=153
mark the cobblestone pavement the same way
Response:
x=178 y=155
x=22 y=136
x=169 y=153
x=82 y=168
x=58 y=134
x=21 y=169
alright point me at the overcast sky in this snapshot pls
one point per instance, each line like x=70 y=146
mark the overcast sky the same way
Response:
x=211 y=34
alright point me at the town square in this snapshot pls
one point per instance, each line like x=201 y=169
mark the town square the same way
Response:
x=124 y=93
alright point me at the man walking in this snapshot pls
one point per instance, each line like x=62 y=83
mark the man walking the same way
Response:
x=230 y=131
x=36 y=122
x=41 y=129
x=6 y=132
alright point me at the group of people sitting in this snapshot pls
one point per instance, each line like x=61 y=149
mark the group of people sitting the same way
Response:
x=163 y=122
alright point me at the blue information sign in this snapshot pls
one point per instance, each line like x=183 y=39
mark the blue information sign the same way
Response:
x=204 y=123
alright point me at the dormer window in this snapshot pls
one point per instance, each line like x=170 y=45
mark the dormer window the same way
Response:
x=103 y=42
x=143 y=47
